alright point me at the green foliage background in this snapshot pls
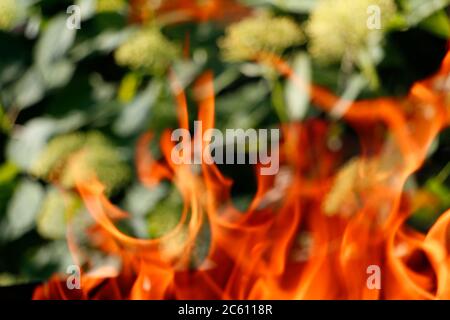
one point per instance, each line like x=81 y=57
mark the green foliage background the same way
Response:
x=98 y=88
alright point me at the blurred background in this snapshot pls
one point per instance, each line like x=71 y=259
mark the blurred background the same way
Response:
x=94 y=77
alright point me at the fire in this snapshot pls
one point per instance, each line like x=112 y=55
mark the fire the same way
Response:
x=176 y=11
x=316 y=230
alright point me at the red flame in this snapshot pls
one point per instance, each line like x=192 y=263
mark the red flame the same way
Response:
x=300 y=238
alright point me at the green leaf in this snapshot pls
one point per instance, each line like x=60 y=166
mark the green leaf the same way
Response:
x=294 y=6
x=46 y=259
x=6 y=124
x=140 y=200
x=10 y=71
x=22 y=209
x=297 y=98
x=278 y=101
x=166 y=215
x=105 y=42
x=240 y=108
x=58 y=74
x=128 y=87
x=187 y=71
x=102 y=91
x=417 y=11
x=226 y=78
x=367 y=65
x=438 y=24
x=87 y=8
x=437 y=186
x=9 y=279
x=54 y=42
x=135 y=115
x=8 y=171
x=27 y=143
x=50 y=52
x=8 y=174
x=29 y=89
x=354 y=87
x=55 y=211
x=423 y=219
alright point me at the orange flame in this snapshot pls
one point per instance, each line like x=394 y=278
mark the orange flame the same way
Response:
x=178 y=11
x=300 y=238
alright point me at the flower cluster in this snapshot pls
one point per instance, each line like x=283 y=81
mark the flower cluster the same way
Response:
x=148 y=49
x=79 y=155
x=340 y=27
x=110 y=5
x=9 y=12
x=256 y=34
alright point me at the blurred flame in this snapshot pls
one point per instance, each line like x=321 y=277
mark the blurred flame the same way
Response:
x=178 y=11
x=286 y=246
